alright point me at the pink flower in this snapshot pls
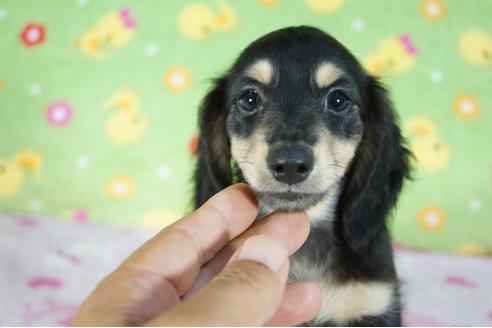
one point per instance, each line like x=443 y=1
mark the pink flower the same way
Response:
x=32 y=34
x=59 y=114
x=460 y=281
x=49 y=282
x=81 y=215
x=422 y=320
x=27 y=222
x=193 y=144
x=35 y=314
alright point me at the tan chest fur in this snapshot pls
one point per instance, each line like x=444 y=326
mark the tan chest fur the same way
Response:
x=342 y=302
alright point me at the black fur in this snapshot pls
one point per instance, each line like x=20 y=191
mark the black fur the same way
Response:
x=213 y=171
x=376 y=176
x=355 y=244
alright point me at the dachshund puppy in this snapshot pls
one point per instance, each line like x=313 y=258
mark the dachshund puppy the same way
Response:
x=299 y=120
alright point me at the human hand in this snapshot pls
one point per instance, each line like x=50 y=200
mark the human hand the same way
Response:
x=215 y=267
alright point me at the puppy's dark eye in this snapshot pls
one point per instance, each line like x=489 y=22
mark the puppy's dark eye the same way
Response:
x=337 y=101
x=250 y=101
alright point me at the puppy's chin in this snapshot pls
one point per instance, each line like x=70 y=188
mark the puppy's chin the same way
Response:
x=287 y=201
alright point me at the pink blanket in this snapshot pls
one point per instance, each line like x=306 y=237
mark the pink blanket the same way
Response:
x=47 y=267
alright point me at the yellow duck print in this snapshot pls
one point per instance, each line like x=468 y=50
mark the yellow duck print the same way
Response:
x=198 y=21
x=475 y=47
x=127 y=125
x=324 y=7
x=113 y=31
x=431 y=153
x=12 y=171
x=393 y=57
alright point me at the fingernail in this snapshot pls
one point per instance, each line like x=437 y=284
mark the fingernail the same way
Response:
x=264 y=249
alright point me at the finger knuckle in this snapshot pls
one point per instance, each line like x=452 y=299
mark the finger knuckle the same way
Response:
x=249 y=275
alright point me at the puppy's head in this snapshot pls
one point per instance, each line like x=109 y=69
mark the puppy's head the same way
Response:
x=297 y=112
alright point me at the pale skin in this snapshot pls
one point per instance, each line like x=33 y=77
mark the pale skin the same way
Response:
x=215 y=267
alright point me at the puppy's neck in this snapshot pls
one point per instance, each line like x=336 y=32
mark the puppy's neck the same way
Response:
x=320 y=215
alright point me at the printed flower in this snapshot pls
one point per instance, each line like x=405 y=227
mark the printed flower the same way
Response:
x=422 y=320
x=193 y=144
x=59 y=114
x=81 y=215
x=42 y=281
x=432 y=218
x=3 y=13
x=177 y=79
x=32 y=34
x=120 y=187
x=460 y=281
x=27 y=222
x=433 y=10
x=466 y=106
x=163 y=172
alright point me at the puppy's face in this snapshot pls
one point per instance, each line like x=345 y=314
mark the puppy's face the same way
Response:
x=295 y=101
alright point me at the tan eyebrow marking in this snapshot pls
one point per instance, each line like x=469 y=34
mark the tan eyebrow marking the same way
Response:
x=261 y=71
x=326 y=73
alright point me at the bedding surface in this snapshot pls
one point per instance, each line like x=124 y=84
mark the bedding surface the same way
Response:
x=47 y=267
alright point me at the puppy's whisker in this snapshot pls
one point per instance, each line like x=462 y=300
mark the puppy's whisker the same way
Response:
x=337 y=166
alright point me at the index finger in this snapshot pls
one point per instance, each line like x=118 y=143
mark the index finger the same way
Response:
x=178 y=251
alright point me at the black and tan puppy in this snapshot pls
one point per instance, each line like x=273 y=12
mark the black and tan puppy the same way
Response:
x=300 y=121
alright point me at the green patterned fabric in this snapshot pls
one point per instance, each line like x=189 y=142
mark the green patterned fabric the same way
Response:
x=98 y=102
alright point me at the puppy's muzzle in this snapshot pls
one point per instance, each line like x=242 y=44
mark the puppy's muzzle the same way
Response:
x=290 y=164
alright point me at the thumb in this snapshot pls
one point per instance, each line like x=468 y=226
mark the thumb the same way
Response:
x=247 y=292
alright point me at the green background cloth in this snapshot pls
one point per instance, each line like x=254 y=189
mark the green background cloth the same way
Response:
x=98 y=102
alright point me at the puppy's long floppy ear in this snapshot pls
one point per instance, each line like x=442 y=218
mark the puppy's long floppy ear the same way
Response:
x=375 y=178
x=213 y=172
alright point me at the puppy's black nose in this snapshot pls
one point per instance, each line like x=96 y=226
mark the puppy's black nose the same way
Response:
x=290 y=164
